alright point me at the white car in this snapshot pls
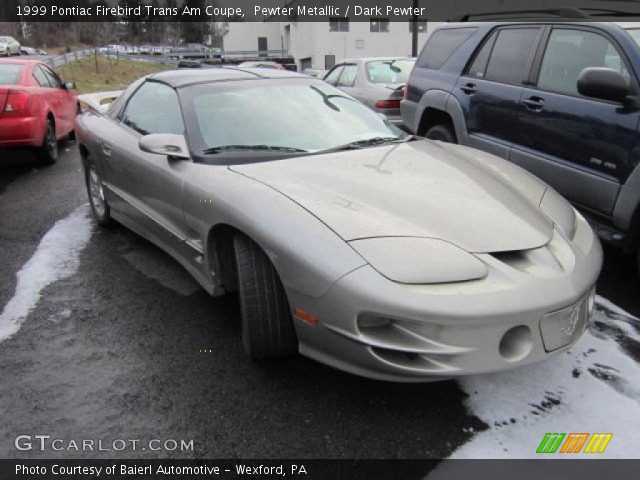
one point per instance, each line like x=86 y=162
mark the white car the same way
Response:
x=9 y=46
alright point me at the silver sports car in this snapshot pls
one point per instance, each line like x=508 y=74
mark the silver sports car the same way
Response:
x=347 y=240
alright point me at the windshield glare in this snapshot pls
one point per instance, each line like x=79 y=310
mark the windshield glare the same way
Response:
x=9 y=73
x=389 y=71
x=300 y=114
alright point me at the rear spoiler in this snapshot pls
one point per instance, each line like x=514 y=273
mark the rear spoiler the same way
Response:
x=98 y=102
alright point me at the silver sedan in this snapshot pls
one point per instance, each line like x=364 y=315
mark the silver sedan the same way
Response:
x=347 y=240
x=377 y=82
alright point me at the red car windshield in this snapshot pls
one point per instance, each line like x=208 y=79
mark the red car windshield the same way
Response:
x=10 y=73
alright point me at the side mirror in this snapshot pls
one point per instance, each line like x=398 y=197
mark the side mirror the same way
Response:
x=169 y=144
x=603 y=83
x=70 y=86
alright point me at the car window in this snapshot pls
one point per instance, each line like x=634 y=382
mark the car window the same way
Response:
x=443 y=44
x=9 y=73
x=333 y=76
x=154 y=108
x=511 y=53
x=389 y=71
x=54 y=80
x=569 y=52
x=40 y=77
x=481 y=59
x=348 y=77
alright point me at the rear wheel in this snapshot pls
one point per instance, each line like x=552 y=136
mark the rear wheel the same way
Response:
x=97 y=199
x=267 y=327
x=441 y=132
x=48 y=152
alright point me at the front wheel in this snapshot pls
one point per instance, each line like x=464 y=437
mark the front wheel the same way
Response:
x=442 y=132
x=267 y=327
x=97 y=199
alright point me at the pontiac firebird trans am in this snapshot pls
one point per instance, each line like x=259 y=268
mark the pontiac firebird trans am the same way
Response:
x=367 y=249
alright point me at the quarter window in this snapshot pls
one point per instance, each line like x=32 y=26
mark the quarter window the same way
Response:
x=569 y=52
x=348 y=77
x=154 y=108
x=511 y=55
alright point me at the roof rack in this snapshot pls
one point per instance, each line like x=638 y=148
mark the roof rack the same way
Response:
x=560 y=12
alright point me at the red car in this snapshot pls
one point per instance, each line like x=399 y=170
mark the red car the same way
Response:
x=36 y=108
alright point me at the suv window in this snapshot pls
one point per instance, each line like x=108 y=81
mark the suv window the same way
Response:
x=348 y=77
x=441 y=45
x=154 y=108
x=510 y=54
x=333 y=76
x=569 y=52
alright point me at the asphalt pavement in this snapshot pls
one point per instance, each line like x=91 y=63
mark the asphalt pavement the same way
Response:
x=128 y=346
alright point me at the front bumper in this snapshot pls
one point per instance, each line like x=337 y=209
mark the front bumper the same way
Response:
x=447 y=330
x=21 y=132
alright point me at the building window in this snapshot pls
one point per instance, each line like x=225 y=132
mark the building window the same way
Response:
x=379 y=25
x=422 y=26
x=338 y=24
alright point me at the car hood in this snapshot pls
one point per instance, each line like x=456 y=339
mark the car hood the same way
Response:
x=415 y=189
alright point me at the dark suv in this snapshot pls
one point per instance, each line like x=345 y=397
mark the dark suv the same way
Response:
x=559 y=99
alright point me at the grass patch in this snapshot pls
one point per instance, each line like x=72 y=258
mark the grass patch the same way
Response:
x=110 y=75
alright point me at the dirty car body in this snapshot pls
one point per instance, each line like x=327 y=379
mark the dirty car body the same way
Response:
x=402 y=259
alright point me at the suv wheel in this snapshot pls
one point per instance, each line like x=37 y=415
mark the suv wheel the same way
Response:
x=441 y=132
x=267 y=327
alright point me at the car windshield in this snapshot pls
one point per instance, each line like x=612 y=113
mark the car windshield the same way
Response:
x=280 y=115
x=9 y=73
x=4 y=40
x=389 y=71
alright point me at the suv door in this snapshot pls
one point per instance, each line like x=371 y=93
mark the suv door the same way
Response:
x=580 y=146
x=490 y=89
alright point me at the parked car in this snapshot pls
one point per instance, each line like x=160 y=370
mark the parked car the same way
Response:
x=145 y=50
x=261 y=64
x=28 y=51
x=558 y=98
x=377 y=82
x=9 y=46
x=347 y=239
x=36 y=108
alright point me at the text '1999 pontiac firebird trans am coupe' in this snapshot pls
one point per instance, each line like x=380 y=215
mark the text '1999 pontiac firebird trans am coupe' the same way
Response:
x=347 y=240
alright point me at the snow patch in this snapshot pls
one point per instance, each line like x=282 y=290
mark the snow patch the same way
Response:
x=56 y=258
x=594 y=387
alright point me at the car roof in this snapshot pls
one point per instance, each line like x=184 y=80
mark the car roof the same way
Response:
x=181 y=78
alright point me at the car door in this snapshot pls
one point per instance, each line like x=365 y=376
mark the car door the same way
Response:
x=59 y=100
x=581 y=146
x=490 y=89
x=147 y=187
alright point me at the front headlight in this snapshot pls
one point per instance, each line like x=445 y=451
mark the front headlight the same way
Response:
x=419 y=261
x=559 y=211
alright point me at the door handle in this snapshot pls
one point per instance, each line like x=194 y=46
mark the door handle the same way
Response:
x=533 y=103
x=469 y=88
x=106 y=149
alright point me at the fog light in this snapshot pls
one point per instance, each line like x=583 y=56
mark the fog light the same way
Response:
x=516 y=343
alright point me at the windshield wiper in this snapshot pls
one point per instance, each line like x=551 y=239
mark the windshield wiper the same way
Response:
x=266 y=148
x=369 y=142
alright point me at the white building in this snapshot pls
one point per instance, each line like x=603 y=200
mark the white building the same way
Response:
x=322 y=44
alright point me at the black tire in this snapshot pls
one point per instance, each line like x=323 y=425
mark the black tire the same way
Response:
x=48 y=152
x=102 y=214
x=267 y=327
x=441 y=132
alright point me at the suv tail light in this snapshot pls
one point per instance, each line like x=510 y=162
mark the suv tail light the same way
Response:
x=17 y=102
x=388 y=104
